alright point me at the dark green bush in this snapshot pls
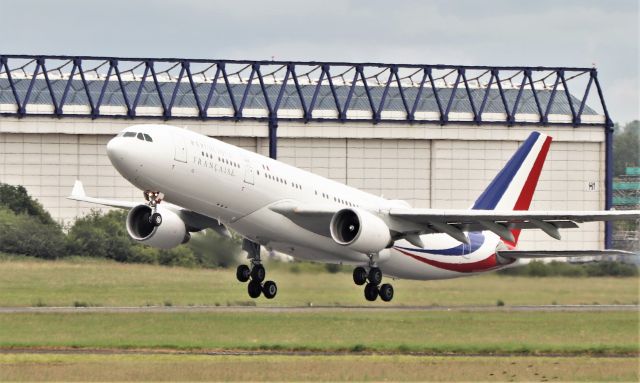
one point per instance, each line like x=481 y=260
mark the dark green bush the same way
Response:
x=101 y=236
x=179 y=256
x=332 y=268
x=16 y=199
x=212 y=250
x=105 y=236
x=28 y=235
x=564 y=269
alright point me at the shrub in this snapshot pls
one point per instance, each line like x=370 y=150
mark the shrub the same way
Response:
x=564 y=269
x=105 y=236
x=180 y=256
x=28 y=235
x=143 y=254
x=213 y=250
x=101 y=236
x=16 y=199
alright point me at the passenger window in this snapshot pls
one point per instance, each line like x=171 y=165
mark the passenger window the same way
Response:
x=140 y=136
x=130 y=134
x=147 y=138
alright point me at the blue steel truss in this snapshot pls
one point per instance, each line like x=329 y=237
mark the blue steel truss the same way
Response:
x=273 y=91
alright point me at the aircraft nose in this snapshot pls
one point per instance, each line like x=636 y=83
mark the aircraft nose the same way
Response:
x=115 y=150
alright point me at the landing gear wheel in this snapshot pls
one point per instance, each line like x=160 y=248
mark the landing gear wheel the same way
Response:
x=269 y=289
x=258 y=273
x=371 y=292
x=254 y=289
x=243 y=273
x=386 y=292
x=155 y=219
x=359 y=276
x=375 y=276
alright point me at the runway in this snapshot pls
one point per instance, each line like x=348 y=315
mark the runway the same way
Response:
x=311 y=309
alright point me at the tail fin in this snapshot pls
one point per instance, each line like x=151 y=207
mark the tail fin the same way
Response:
x=513 y=187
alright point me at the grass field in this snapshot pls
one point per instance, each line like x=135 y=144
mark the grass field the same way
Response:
x=29 y=282
x=379 y=345
x=92 y=367
x=439 y=332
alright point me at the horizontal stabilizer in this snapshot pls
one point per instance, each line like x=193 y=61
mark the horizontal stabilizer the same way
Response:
x=562 y=253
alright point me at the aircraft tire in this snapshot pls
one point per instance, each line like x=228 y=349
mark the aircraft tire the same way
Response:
x=371 y=292
x=156 y=219
x=359 y=276
x=243 y=273
x=375 y=276
x=258 y=273
x=386 y=292
x=254 y=289
x=269 y=289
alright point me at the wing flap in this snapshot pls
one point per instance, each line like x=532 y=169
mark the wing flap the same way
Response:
x=500 y=222
x=472 y=216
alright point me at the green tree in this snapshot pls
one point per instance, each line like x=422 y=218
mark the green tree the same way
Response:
x=101 y=236
x=626 y=147
x=27 y=235
x=18 y=200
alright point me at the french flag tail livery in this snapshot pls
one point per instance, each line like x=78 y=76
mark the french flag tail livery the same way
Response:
x=513 y=187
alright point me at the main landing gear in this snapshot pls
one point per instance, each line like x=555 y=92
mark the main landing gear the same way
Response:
x=153 y=198
x=256 y=274
x=372 y=279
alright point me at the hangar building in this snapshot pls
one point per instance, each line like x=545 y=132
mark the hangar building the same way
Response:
x=433 y=135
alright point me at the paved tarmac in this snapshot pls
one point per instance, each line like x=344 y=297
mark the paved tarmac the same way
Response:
x=309 y=309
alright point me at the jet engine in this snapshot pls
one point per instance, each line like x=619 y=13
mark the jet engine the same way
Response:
x=360 y=230
x=170 y=233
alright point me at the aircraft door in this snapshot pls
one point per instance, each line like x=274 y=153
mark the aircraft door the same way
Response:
x=180 y=148
x=248 y=172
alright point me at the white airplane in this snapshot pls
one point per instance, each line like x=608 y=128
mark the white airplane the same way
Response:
x=193 y=182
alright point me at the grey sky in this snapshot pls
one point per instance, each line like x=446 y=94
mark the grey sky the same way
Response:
x=490 y=32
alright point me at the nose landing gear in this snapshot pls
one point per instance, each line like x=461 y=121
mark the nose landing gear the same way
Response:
x=153 y=198
x=372 y=278
x=256 y=274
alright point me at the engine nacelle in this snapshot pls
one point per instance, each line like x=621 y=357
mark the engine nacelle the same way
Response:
x=360 y=230
x=171 y=233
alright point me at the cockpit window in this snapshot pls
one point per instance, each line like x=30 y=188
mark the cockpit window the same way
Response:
x=140 y=136
x=148 y=138
x=130 y=134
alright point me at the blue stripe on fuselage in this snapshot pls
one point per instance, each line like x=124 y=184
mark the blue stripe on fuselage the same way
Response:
x=476 y=240
x=496 y=189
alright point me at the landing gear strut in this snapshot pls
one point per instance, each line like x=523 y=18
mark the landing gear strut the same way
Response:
x=372 y=278
x=255 y=274
x=153 y=198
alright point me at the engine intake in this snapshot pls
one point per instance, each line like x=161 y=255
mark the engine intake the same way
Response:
x=171 y=233
x=360 y=230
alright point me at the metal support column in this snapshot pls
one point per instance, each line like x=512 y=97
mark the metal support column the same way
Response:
x=608 y=229
x=273 y=138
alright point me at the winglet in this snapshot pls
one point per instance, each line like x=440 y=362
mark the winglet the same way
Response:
x=78 y=190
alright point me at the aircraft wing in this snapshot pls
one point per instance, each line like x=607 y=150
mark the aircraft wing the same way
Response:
x=313 y=218
x=456 y=222
x=194 y=221
x=78 y=194
x=409 y=223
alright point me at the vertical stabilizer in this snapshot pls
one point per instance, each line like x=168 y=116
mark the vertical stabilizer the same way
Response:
x=513 y=187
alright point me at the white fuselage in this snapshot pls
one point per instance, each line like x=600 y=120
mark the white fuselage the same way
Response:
x=237 y=187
